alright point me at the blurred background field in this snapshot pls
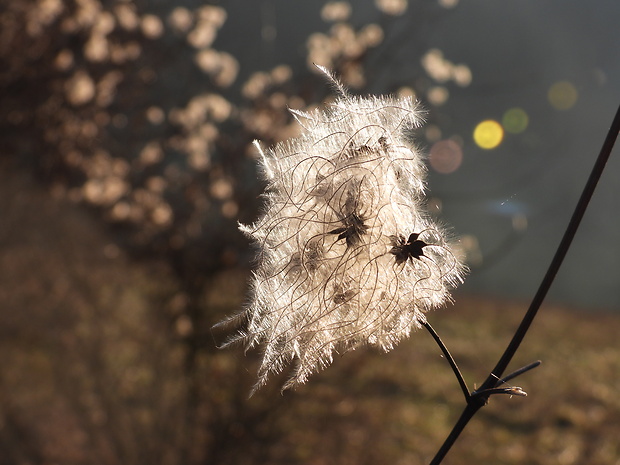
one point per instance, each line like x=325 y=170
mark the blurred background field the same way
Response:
x=125 y=163
x=97 y=369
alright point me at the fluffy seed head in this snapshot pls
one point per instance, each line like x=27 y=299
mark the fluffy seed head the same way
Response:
x=346 y=252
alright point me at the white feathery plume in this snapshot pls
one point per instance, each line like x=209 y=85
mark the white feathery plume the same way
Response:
x=347 y=253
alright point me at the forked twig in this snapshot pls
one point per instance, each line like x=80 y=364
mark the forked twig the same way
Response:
x=510 y=390
x=490 y=386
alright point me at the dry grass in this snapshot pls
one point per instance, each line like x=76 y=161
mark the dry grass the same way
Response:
x=95 y=370
x=398 y=407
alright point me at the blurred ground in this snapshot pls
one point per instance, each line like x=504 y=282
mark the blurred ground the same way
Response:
x=95 y=369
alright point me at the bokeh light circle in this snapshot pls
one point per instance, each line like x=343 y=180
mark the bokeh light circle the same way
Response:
x=446 y=156
x=562 y=95
x=515 y=120
x=488 y=134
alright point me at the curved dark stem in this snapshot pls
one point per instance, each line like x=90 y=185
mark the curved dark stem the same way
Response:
x=558 y=258
x=468 y=413
x=450 y=359
x=490 y=384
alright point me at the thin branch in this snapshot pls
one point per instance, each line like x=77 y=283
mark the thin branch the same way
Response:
x=487 y=388
x=518 y=372
x=567 y=239
x=469 y=411
x=511 y=390
x=450 y=359
x=475 y=401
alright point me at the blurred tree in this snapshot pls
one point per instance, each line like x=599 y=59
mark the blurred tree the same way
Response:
x=128 y=108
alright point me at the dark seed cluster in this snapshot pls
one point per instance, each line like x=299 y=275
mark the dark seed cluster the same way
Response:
x=404 y=250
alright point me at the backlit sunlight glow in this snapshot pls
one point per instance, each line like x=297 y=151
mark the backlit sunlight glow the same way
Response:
x=562 y=95
x=515 y=120
x=488 y=134
x=446 y=156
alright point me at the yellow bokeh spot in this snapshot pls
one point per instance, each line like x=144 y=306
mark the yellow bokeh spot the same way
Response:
x=562 y=95
x=488 y=134
x=515 y=120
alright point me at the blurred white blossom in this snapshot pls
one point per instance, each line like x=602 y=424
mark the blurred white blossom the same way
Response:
x=347 y=254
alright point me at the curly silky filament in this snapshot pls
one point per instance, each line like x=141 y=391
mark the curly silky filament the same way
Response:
x=347 y=254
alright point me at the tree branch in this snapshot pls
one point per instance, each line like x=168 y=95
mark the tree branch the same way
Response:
x=489 y=387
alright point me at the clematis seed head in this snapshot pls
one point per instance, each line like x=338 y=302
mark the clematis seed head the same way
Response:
x=347 y=254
